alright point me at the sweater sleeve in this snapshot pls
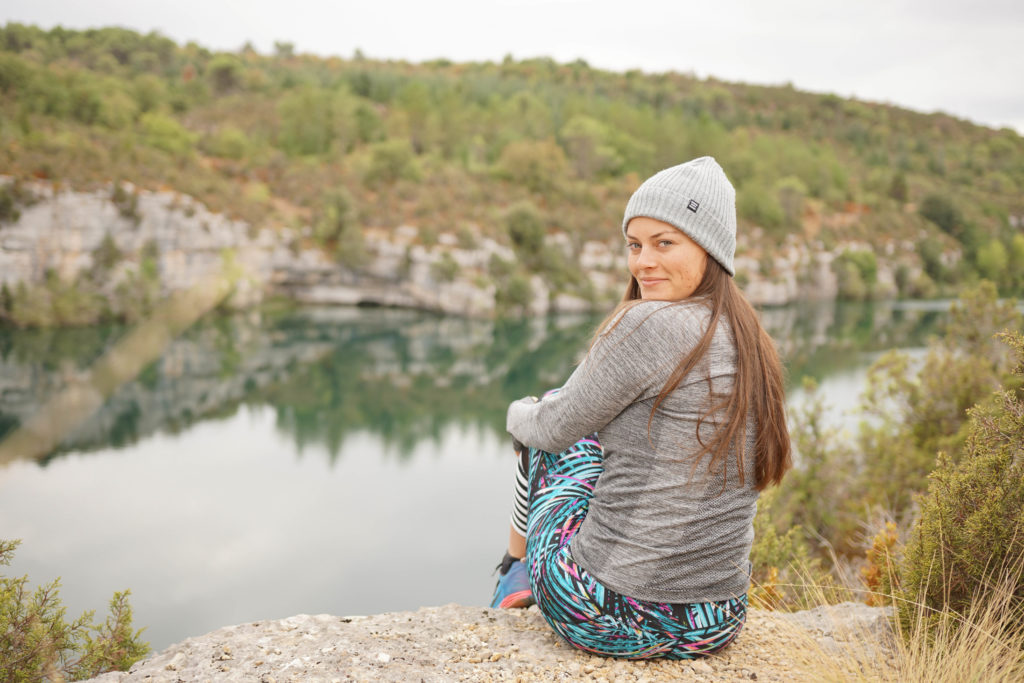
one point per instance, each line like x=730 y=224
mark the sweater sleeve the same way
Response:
x=623 y=366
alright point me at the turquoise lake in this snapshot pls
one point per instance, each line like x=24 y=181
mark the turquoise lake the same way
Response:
x=342 y=461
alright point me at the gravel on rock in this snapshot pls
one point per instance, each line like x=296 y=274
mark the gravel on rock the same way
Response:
x=459 y=643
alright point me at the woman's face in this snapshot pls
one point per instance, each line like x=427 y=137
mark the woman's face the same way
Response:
x=666 y=263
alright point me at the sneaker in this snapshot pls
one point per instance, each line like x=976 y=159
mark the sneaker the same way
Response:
x=513 y=589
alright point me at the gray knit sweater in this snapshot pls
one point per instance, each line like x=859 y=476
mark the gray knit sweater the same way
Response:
x=653 y=531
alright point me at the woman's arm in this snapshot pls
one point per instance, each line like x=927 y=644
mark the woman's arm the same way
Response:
x=623 y=366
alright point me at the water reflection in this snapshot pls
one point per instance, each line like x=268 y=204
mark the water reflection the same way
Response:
x=403 y=375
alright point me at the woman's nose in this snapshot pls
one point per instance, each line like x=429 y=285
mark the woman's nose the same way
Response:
x=645 y=259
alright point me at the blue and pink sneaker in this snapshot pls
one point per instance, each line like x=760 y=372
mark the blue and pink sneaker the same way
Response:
x=513 y=589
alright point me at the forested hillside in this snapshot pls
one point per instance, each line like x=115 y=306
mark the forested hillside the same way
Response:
x=341 y=144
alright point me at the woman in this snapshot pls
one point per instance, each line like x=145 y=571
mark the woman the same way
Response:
x=638 y=546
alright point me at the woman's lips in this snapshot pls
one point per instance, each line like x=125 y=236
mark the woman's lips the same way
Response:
x=651 y=282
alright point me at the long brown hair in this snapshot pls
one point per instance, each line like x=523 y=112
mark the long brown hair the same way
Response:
x=757 y=387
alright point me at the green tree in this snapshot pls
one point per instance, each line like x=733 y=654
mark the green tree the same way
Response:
x=225 y=73
x=913 y=415
x=163 y=132
x=38 y=644
x=587 y=141
x=898 y=188
x=930 y=252
x=229 y=142
x=513 y=294
x=414 y=99
x=943 y=213
x=857 y=272
x=149 y=92
x=993 y=260
x=117 y=109
x=791 y=192
x=306 y=117
x=1016 y=263
x=756 y=204
x=337 y=226
x=525 y=228
x=537 y=164
x=391 y=161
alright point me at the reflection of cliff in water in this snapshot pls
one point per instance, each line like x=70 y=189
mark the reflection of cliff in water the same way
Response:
x=402 y=375
x=820 y=338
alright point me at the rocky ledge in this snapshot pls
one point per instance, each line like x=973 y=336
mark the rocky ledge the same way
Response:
x=69 y=233
x=458 y=643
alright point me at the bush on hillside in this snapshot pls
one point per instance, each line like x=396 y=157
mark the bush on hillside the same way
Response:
x=165 y=133
x=525 y=227
x=857 y=272
x=941 y=211
x=539 y=165
x=390 y=161
x=970 y=532
x=916 y=411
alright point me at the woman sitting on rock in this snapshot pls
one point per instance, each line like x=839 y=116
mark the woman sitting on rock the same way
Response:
x=638 y=545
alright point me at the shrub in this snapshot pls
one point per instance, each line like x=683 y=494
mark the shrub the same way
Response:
x=391 y=161
x=336 y=224
x=9 y=212
x=857 y=272
x=525 y=228
x=880 y=569
x=930 y=251
x=165 y=133
x=587 y=141
x=126 y=201
x=1017 y=263
x=467 y=238
x=539 y=165
x=514 y=294
x=229 y=142
x=913 y=415
x=898 y=188
x=992 y=260
x=225 y=73
x=445 y=269
x=117 y=109
x=971 y=527
x=784 y=576
x=36 y=643
x=791 y=192
x=757 y=204
x=941 y=211
x=105 y=257
x=306 y=119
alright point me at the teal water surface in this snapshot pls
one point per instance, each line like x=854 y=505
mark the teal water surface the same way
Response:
x=343 y=461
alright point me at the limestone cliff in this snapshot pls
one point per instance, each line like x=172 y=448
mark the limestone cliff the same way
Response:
x=63 y=231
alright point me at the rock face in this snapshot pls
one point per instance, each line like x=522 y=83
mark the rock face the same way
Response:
x=62 y=231
x=458 y=643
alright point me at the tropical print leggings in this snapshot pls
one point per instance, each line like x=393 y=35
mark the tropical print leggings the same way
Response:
x=582 y=611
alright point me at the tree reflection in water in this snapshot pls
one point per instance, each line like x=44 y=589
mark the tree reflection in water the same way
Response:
x=403 y=375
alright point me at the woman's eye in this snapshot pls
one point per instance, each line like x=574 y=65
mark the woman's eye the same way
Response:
x=664 y=243
x=632 y=245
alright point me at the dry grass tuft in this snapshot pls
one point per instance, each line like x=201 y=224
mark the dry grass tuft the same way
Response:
x=851 y=642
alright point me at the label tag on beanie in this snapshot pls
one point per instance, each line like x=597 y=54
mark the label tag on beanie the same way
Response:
x=693 y=205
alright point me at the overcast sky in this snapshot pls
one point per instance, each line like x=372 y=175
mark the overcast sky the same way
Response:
x=962 y=57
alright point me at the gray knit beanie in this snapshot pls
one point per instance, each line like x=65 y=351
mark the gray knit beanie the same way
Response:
x=696 y=198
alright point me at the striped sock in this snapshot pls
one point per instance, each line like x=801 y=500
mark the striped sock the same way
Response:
x=521 y=501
